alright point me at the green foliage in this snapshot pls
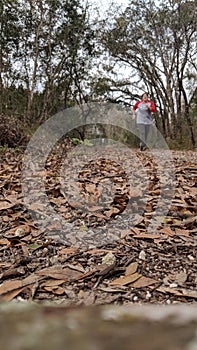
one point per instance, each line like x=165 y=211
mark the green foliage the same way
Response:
x=75 y=141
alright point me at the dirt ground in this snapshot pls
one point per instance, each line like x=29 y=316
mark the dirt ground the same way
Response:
x=119 y=227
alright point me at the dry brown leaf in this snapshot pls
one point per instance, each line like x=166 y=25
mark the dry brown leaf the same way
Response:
x=182 y=232
x=179 y=292
x=90 y=187
x=111 y=212
x=5 y=264
x=147 y=236
x=143 y=282
x=62 y=209
x=55 y=290
x=12 y=198
x=75 y=205
x=70 y=250
x=99 y=251
x=67 y=215
x=87 y=274
x=19 y=231
x=123 y=281
x=77 y=267
x=99 y=215
x=4 y=241
x=36 y=206
x=132 y=268
x=11 y=295
x=6 y=205
x=51 y=283
x=167 y=231
x=58 y=272
x=180 y=277
x=113 y=290
x=125 y=233
x=135 y=230
x=156 y=192
x=95 y=208
x=10 y=286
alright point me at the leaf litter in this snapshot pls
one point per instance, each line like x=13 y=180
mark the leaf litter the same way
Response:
x=130 y=264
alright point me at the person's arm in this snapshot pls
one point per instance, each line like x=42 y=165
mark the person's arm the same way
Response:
x=134 y=109
x=152 y=106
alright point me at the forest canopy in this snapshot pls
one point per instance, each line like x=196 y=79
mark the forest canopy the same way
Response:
x=55 y=54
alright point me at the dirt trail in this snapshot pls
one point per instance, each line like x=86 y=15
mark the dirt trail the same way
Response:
x=124 y=229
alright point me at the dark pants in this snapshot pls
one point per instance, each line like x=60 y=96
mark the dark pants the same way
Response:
x=143 y=133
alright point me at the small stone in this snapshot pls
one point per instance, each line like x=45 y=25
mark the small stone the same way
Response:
x=109 y=259
x=20 y=232
x=142 y=255
x=173 y=285
x=191 y=258
x=148 y=295
x=45 y=250
x=135 y=298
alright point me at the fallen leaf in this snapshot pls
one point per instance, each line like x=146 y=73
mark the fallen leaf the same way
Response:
x=147 y=236
x=68 y=251
x=180 y=292
x=87 y=274
x=180 y=277
x=95 y=208
x=18 y=232
x=99 y=251
x=143 y=282
x=111 y=212
x=55 y=290
x=51 y=283
x=113 y=290
x=77 y=267
x=167 y=231
x=6 y=205
x=135 y=230
x=125 y=233
x=122 y=281
x=132 y=268
x=181 y=232
x=15 y=285
x=4 y=241
x=35 y=246
x=58 y=272
x=11 y=295
x=74 y=205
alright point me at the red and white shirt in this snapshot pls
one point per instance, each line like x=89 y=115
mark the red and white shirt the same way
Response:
x=143 y=111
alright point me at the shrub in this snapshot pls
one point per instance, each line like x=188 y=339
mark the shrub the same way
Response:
x=12 y=131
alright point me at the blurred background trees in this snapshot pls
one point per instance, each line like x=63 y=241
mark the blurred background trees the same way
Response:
x=58 y=53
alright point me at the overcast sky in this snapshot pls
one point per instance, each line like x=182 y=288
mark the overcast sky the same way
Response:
x=104 y=4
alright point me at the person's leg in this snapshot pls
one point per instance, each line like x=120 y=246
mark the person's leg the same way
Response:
x=147 y=130
x=152 y=136
x=142 y=135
